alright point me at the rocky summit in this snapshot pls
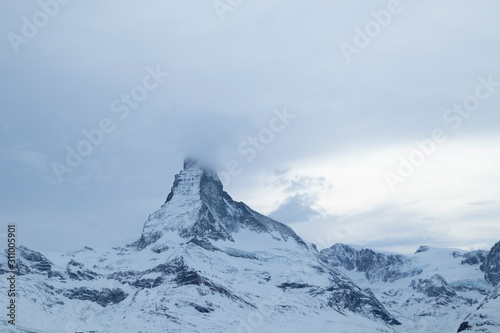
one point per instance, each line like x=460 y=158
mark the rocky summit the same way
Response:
x=206 y=263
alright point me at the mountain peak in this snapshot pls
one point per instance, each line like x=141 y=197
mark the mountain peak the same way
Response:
x=196 y=183
x=200 y=172
x=198 y=207
x=423 y=248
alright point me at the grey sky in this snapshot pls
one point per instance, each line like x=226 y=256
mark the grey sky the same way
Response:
x=226 y=81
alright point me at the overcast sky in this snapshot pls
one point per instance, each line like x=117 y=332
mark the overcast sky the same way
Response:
x=355 y=85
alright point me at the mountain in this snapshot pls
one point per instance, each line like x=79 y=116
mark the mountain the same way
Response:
x=434 y=290
x=492 y=265
x=197 y=207
x=203 y=263
x=206 y=263
x=486 y=318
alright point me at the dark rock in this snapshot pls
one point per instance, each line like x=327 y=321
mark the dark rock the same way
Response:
x=102 y=297
x=203 y=309
x=148 y=283
x=464 y=327
x=33 y=262
x=474 y=258
x=346 y=296
x=376 y=266
x=77 y=271
x=185 y=278
x=422 y=248
x=58 y=275
x=434 y=287
x=462 y=288
x=286 y=286
x=492 y=265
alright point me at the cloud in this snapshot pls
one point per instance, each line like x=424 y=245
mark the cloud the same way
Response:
x=326 y=168
x=297 y=208
x=297 y=183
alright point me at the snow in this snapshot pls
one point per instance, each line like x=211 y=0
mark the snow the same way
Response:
x=419 y=312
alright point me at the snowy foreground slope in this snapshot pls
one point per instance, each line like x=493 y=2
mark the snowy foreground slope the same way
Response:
x=205 y=263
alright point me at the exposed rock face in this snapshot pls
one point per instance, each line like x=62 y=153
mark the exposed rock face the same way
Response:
x=102 y=297
x=77 y=271
x=33 y=261
x=376 y=266
x=475 y=258
x=435 y=287
x=486 y=319
x=464 y=327
x=422 y=248
x=492 y=265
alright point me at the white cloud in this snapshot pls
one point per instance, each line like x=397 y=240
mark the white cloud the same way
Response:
x=226 y=77
x=433 y=206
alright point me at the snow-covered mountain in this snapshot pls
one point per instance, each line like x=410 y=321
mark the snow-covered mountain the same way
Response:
x=434 y=290
x=205 y=263
x=486 y=318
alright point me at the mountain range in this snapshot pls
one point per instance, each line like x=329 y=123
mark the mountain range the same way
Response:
x=206 y=263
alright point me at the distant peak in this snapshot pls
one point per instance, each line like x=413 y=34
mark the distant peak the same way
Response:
x=423 y=248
